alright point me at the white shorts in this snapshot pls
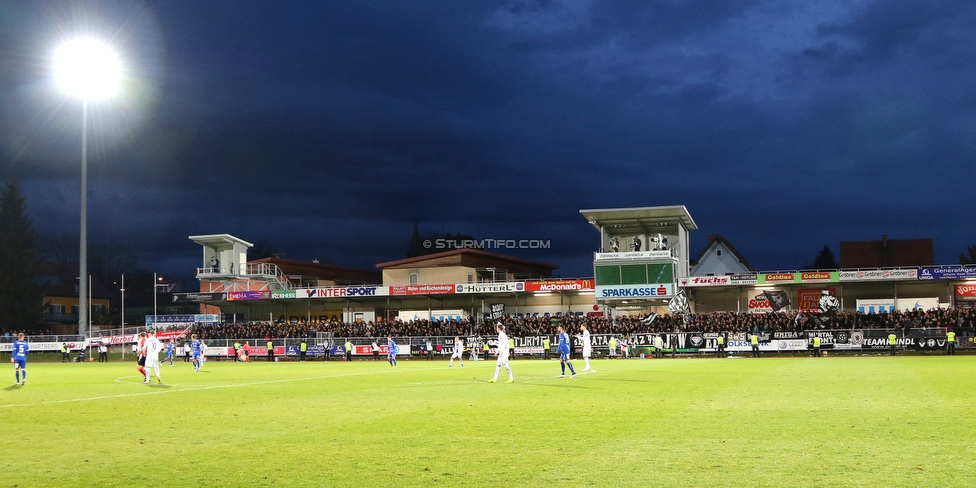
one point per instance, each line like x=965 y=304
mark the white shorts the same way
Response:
x=586 y=351
x=502 y=360
x=456 y=355
x=152 y=362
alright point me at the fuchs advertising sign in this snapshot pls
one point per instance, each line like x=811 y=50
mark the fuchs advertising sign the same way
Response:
x=692 y=281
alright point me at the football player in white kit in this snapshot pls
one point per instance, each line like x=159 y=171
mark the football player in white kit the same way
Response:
x=587 y=348
x=153 y=348
x=458 y=352
x=502 y=355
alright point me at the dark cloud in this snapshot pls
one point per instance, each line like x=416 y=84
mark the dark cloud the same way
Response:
x=328 y=129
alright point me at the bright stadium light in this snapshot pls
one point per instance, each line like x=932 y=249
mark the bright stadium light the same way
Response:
x=89 y=70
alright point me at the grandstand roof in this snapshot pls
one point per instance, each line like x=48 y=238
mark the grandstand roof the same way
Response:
x=473 y=258
x=625 y=221
x=219 y=241
x=324 y=271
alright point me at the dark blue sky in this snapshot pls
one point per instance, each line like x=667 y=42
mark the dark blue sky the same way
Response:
x=328 y=128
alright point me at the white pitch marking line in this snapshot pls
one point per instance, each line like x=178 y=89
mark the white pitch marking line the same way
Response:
x=212 y=387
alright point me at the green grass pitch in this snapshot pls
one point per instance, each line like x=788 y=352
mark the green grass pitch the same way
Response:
x=838 y=421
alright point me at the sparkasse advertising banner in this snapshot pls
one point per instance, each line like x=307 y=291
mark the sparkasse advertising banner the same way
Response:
x=624 y=292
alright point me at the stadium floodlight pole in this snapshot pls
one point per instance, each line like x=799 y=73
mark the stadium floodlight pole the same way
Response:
x=122 y=323
x=157 y=282
x=90 y=70
x=89 y=316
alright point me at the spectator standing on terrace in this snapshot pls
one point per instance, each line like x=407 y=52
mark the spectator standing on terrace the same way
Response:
x=502 y=355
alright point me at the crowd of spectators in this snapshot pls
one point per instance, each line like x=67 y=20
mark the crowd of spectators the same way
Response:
x=623 y=325
x=11 y=335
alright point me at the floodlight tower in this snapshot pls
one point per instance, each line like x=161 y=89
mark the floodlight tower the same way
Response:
x=89 y=70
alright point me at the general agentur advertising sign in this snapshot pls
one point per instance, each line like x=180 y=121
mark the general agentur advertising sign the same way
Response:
x=879 y=274
x=623 y=292
x=955 y=272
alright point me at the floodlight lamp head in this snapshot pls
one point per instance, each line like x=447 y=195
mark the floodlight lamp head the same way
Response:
x=87 y=68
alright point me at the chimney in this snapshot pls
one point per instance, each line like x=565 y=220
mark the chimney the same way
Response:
x=885 y=253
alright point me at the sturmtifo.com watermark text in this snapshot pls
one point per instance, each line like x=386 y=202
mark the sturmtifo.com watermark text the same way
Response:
x=487 y=244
